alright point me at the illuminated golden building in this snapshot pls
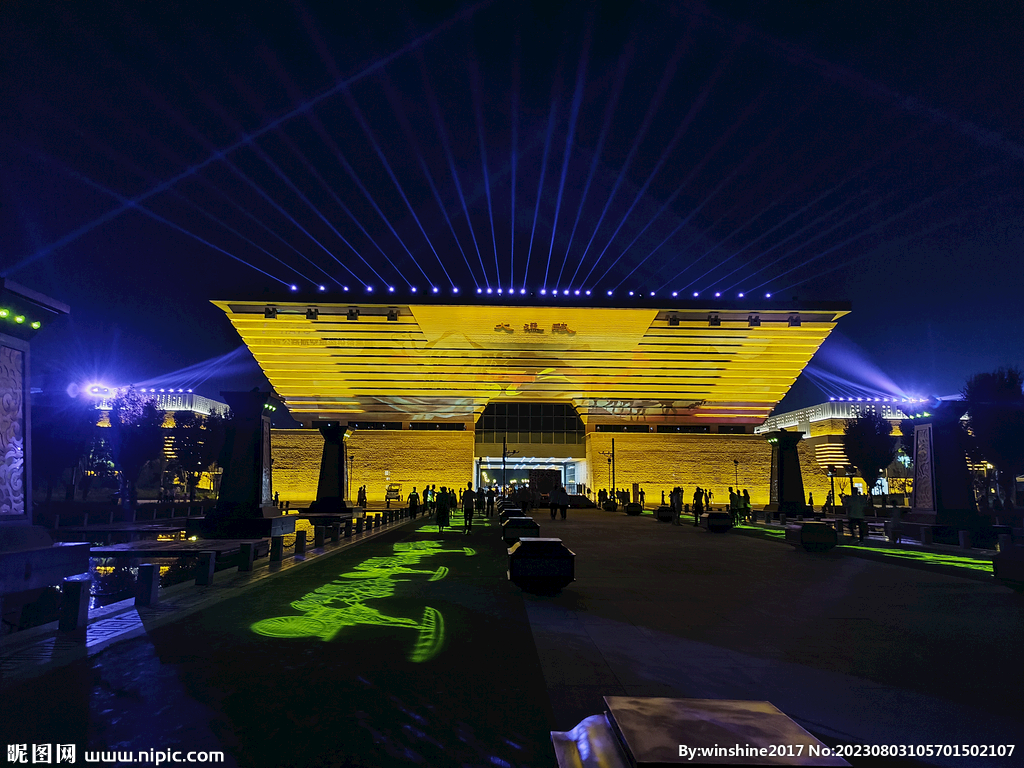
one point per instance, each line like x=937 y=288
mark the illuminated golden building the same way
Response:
x=552 y=385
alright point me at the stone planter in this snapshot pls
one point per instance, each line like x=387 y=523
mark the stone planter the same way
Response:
x=541 y=566
x=812 y=536
x=716 y=522
x=634 y=509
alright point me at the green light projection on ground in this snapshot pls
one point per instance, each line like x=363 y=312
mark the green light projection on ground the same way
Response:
x=935 y=558
x=341 y=603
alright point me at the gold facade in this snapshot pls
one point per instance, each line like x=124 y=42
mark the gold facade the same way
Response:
x=405 y=363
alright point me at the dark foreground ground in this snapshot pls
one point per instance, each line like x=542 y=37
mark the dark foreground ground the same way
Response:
x=854 y=650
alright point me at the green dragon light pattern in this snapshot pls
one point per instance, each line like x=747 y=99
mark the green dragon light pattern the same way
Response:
x=341 y=603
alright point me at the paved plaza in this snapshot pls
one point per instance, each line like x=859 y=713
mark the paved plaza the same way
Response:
x=418 y=651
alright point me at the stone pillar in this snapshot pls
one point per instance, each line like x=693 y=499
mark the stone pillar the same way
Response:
x=74 y=603
x=348 y=529
x=147 y=587
x=318 y=536
x=786 y=483
x=300 y=542
x=207 y=565
x=246 y=555
x=335 y=532
x=276 y=549
x=245 y=508
x=943 y=493
x=331 y=487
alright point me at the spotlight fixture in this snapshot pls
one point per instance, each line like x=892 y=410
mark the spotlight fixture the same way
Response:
x=741 y=295
x=36 y=325
x=435 y=289
x=588 y=292
x=718 y=295
x=479 y=290
x=499 y=291
x=630 y=293
x=181 y=390
x=391 y=289
x=412 y=288
x=696 y=294
x=312 y=313
x=565 y=292
x=652 y=293
x=369 y=289
x=321 y=287
x=4 y=312
x=19 y=319
x=576 y=292
x=832 y=399
x=269 y=313
x=393 y=315
x=294 y=287
x=794 y=321
x=674 y=294
x=767 y=295
x=489 y=291
x=455 y=289
x=522 y=291
x=344 y=288
x=353 y=313
x=754 y=321
x=161 y=389
x=543 y=291
x=609 y=293
x=189 y=391
x=714 y=321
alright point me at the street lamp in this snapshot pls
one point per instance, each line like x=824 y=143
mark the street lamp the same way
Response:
x=736 y=466
x=611 y=465
x=505 y=453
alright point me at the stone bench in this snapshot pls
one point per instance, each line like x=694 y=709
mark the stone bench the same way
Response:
x=541 y=566
x=1008 y=567
x=515 y=528
x=812 y=536
x=716 y=522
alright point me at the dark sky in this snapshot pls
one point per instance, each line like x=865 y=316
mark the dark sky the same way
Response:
x=154 y=156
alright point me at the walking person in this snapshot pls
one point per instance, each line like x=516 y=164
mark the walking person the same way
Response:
x=414 y=503
x=490 y=501
x=559 y=501
x=734 y=503
x=468 y=503
x=698 y=506
x=748 y=513
x=442 y=510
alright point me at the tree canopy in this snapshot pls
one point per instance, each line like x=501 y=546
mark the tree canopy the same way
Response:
x=869 y=446
x=995 y=418
x=136 y=437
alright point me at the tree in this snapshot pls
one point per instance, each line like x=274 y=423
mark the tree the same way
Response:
x=869 y=446
x=136 y=437
x=61 y=434
x=995 y=418
x=198 y=441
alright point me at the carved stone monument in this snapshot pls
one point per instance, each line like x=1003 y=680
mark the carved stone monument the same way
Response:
x=245 y=508
x=942 y=483
x=786 y=484
x=331 y=489
x=28 y=558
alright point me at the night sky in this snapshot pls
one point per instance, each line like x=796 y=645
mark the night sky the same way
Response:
x=154 y=156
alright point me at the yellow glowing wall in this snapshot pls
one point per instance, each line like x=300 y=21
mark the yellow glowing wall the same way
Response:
x=660 y=461
x=410 y=457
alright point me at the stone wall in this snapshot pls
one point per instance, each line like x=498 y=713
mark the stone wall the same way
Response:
x=410 y=457
x=660 y=461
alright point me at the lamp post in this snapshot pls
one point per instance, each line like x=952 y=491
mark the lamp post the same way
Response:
x=611 y=465
x=736 y=466
x=832 y=480
x=505 y=453
x=351 y=465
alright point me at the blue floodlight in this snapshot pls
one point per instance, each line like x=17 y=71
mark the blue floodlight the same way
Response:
x=391 y=289
x=767 y=295
x=609 y=293
x=831 y=398
x=294 y=287
x=479 y=290
x=718 y=294
x=630 y=293
x=434 y=289
x=674 y=294
x=543 y=291
x=566 y=292
x=344 y=288
x=322 y=287
x=696 y=294
x=499 y=291
x=161 y=389
x=522 y=291
x=652 y=293
x=490 y=290
x=741 y=295
x=576 y=292
x=189 y=391
x=588 y=292
x=369 y=289
x=455 y=289
x=412 y=288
